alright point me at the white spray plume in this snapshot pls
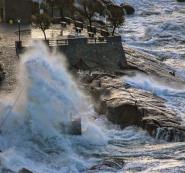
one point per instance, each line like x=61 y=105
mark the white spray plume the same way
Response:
x=47 y=97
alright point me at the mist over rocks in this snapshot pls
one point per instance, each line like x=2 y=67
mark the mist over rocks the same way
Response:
x=131 y=106
x=127 y=106
x=23 y=170
x=5 y=170
x=152 y=65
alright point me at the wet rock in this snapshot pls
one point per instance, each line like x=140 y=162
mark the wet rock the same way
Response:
x=127 y=106
x=172 y=73
x=180 y=0
x=149 y=13
x=129 y=10
x=2 y=73
x=170 y=134
x=111 y=164
x=24 y=170
x=151 y=65
x=131 y=106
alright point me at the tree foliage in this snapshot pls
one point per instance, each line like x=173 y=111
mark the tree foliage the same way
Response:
x=43 y=22
x=115 y=16
x=63 y=5
x=90 y=9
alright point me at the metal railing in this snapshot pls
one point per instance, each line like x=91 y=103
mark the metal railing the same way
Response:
x=60 y=42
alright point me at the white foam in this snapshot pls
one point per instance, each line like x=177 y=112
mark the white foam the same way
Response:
x=47 y=96
x=173 y=92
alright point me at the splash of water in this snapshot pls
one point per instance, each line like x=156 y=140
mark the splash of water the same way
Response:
x=154 y=84
x=48 y=96
x=172 y=92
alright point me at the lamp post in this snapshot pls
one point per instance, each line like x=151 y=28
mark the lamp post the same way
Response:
x=19 y=28
x=52 y=8
x=18 y=44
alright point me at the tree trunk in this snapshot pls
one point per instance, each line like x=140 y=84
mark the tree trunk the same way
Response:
x=52 y=10
x=90 y=22
x=44 y=34
x=61 y=13
x=113 y=31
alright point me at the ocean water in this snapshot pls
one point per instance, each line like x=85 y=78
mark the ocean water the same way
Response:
x=32 y=119
x=158 y=29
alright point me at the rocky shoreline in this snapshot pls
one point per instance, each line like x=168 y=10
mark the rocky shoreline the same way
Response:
x=121 y=103
x=127 y=106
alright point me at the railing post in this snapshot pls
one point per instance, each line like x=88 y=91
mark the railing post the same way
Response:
x=18 y=47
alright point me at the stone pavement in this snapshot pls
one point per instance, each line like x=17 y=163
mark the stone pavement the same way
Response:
x=8 y=57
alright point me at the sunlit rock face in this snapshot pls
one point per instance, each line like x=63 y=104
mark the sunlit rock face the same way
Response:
x=141 y=96
x=128 y=106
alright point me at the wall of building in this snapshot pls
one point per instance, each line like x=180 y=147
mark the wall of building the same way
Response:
x=83 y=55
x=14 y=9
x=1 y=10
x=108 y=55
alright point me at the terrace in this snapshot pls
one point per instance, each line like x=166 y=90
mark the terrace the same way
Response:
x=82 y=44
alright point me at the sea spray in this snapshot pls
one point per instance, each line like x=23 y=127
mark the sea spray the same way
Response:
x=154 y=84
x=174 y=93
x=32 y=136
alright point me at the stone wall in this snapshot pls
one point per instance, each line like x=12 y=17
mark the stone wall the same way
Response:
x=84 y=54
x=106 y=55
x=14 y=9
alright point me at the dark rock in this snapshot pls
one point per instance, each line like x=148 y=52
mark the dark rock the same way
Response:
x=132 y=106
x=149 y=13
x=151 y=65
x=5 y=170
x=127 y=106
x=111 y=163
x=117 y=112
x=2 y=73
x=180 y=0
x=170 y=134
x=129 y=10
x=172 y=73
x=24 y=170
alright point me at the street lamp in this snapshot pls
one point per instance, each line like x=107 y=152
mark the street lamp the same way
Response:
x=18 y=44
x=19 y=28
x=52 y=8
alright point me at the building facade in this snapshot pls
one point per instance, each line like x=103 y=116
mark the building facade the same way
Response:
x=11 y=10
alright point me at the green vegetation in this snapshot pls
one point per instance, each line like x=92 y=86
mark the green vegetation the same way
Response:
x=87 y=11
x=43 y=22
x=90 y=10
x=65 y=6
x=115 y=16
x=129 y=10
